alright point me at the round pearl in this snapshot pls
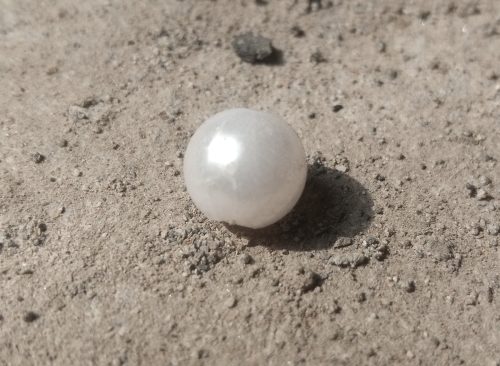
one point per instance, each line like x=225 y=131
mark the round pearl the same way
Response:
x=245 y=167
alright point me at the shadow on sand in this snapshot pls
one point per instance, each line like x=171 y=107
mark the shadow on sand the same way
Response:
x=332 y=206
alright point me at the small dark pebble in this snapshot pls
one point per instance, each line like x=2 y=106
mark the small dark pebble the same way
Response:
x=381 y=253
x=311 y=115
x=338 y=107
x=30 y=317
x=361 y=297
x=37 y=158
x=89 y=102
x=493 y=76
x=297 y=31
x=424 y=15
x=42 y=227
x=489 y=295
x=202 y=353
x=393 y=74
x=379 y=177
x=317 y=57
x=252 y=48
x=472 y=189
x=410 y=286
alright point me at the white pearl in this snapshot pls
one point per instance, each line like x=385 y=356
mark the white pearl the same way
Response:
x=245 y=167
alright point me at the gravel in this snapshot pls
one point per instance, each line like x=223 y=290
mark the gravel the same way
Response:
x=30 y=316
x=483 y=195
x=252 y=48
x=317 y=57
x=246 y=258
x=409 y=286
x=37 y=158
x=349 y=260
x=311 y=281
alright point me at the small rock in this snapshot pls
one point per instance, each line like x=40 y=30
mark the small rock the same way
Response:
x=472 y=298
x=312 y=281
x=389 y=232
x=341 y=168
x=381 y=253
x=475 y=230
x=381 y=46
x=246 y=259
x=487 y=157
x=484 y=181
x=56 y=211
x=62 y=143
x=252 y=48
x=482 y=195
x=379 y=177
x=361 y=297
x=77 y=113
x=52 y=70
x=30 y=317
x=338 y=107
x=317 y=57
x=393 y=74
x=342 y=242
x=409 y=286
x=231 y=302
x=493 y=229
x=442 y=251
x=370 y=241
x=89 y=101
x=349 y=260
x=37 y=158
x=435 y=341
x=297 y=31
x=407 y=243
x=201 y=354
x=472 y=189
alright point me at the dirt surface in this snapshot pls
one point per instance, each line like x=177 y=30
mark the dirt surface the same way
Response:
x=392 y=255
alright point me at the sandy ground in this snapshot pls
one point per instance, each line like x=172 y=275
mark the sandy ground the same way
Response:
x=392 y=255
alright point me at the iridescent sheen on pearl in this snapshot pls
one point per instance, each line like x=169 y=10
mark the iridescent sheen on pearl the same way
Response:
x=245 y=167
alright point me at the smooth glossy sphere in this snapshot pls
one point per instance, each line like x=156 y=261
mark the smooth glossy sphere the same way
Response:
x=245 y=168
